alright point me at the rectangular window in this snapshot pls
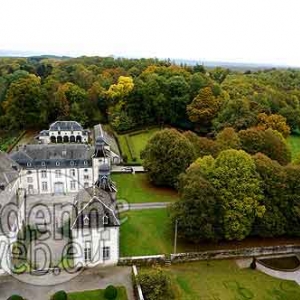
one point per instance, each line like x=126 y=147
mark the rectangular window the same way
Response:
x=72 y=172
x=44 y=186
x=57 y=173
x=29 y=179
x=106 y=253
x=86 y=185
x=44 y=174
x=30 y=189
x=86 y=177
x=73 y=185
x=87 y=252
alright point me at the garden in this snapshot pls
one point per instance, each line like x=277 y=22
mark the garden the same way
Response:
x=135 y=188
x=8 y=139
x=223 y=280
x=132 y=144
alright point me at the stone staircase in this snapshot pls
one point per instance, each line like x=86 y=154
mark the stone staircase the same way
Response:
x=168 y=262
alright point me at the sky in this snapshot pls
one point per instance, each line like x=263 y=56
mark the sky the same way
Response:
x=251 y=31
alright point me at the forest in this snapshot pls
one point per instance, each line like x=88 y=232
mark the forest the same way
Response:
x=134 y=93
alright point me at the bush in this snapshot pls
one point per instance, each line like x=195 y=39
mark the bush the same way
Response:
x=60 y=295
x=15 y=297
x=253 y=264
x=155 y=285
x=110 y=293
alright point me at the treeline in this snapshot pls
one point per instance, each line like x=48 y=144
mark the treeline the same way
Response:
x=229 y=187
x=132 y=93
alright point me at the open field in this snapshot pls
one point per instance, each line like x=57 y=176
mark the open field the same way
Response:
x=96 y=295
x=133 y=143
x=135 y=188
x=223 y=280
x=294 y=142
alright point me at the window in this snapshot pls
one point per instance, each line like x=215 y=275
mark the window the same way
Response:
x=105 y=220
x=85 y=162
x=57 y=163
x=72 y=172
x=72 y=163
x=59 y=132
x=73 y=185
x=85 y=170
x=86 y=177
x=87 y=252
x=86 y=185
x=44 y=186
x=106 y=253
x=43 y=164
x=57 y=173
x=44 y=174
x=86 y=220
x=29 y=179
x=30 y=189
x=29 y=164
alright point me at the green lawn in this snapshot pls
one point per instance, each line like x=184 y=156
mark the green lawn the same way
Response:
x=138 y=142
x=294 y=142
x=135 y=188
x=145 y=232
x=96 y=295
x=223 y=280
x=7 y=139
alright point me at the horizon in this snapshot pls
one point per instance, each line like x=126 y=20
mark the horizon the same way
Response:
x=252 y=33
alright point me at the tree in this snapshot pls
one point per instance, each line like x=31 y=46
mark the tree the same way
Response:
x=292 y=116
x=269 y=142
x=204 y=107
x=275 y=122
x=197 y=212
x=233 y=175
x=23 y=104
x=228 y=139
x=274 y=222
x=167 y=154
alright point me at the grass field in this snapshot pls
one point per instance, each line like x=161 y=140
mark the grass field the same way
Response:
x=96 y=295
x=135 y=188
x=294 y=142
x=137 y=141
x=145 y=232
x=223 y=280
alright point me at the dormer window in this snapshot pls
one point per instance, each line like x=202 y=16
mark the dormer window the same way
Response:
x=57 y=163
x=72 y=163
x=29 y=164
x=105 y=220
x=43 y=164
x=86 y=220
x=85 y=162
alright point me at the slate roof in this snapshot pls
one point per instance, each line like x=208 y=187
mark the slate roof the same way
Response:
x=94 y=203
x=9 y=169
x=65 y=126
x=47 y=156
x=9 y=173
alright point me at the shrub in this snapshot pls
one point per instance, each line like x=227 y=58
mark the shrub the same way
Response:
x=253 y=264
x=155 y=285
x=60 y=295
x=15 y=297
x=110 y=293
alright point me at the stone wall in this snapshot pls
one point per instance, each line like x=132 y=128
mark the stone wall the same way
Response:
x=142 y=260
x=234 y=253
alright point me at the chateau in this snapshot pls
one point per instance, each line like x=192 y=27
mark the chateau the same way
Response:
x=64 y=168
